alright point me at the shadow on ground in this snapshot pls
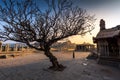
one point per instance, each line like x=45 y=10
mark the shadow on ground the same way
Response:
x=77 y=69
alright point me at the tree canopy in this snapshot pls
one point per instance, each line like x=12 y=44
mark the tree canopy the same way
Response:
x=24 y=21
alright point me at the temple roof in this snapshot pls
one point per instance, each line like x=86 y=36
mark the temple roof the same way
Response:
x=108 y=33
x=85 y=44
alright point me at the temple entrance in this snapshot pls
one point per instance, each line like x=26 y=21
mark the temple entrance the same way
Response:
x=113 y=48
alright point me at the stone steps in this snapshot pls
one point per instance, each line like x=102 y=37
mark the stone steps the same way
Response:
x=111 y=61
x=10 y=55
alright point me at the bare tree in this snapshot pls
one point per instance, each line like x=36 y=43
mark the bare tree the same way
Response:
x=24 y=21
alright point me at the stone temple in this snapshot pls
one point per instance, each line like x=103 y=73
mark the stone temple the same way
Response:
x=108 y=44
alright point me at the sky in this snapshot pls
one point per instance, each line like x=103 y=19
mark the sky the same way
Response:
x=109 y=10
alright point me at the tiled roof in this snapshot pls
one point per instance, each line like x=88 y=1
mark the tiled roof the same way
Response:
x=85 y=44
x=109 y=33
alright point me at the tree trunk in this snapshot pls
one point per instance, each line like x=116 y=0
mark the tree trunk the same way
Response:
x=55 y=64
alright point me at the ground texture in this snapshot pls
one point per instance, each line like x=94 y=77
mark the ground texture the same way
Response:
x=34 y=67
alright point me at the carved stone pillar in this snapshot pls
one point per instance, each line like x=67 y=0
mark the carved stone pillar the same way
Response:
x=7 y=47
x=21 y=47
x=15 y=47
x=0 y=46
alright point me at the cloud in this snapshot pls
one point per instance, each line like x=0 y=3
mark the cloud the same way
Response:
x=96 y=3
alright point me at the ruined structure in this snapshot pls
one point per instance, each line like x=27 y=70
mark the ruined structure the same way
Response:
x=84 y=47
x=12 y=50
x=63 y=46
x=108 y=43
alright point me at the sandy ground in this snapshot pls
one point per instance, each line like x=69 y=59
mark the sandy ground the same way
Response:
x=34 y=67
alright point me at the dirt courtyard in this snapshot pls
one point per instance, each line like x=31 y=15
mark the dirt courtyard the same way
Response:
x=34 y=67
